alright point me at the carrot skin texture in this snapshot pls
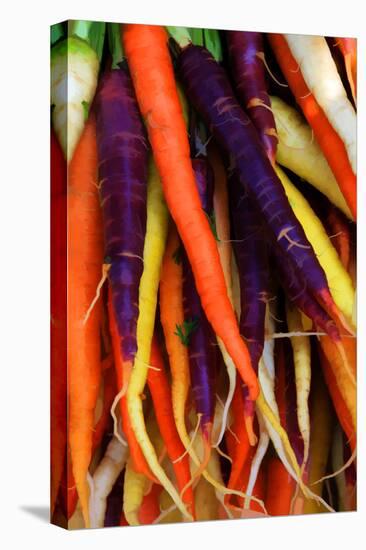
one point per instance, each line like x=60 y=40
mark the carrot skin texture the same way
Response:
x=123 y=161
x=201 y=348
x=331 y=144
x=250 y=84
x=210 y=92
x=151 y=69
x=58 y=328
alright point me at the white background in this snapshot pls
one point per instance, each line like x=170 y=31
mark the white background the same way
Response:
x=24 y=294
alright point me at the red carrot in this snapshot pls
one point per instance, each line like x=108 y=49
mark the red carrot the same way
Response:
x=237 y=440
x=161 y=395
x=139 y=461
x=280 y=489
x=58 y=318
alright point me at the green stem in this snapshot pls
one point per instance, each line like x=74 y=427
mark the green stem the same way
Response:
x=197 y=36
x=92 y=32
x=115 y=44
x=212 y=42
x=57 y=32
x=181 y=35
x=80 y=29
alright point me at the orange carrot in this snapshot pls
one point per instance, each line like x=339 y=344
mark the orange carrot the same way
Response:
x=171 y=315
x=139 y=462
x=85 y=258
x=328 y=139
x=161 y=396
x=154 y=81
x=237 y=440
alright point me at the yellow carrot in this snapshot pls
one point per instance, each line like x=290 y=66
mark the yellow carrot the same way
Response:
x=300 y=152
x=302 y=363
x=134 y=488
x=339 y=281
x=156 y=234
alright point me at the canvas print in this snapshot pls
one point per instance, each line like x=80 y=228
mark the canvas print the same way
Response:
x=203 y=274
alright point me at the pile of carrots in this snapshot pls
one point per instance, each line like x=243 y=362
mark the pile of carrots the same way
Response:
x=203 y=266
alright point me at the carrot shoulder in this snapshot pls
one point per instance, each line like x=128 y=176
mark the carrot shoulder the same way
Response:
x=153 y=77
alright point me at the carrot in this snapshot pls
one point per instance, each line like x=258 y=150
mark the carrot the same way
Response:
x=239 y=437
x=171 y=316
x=280 y=489
x=123 y=172
x=250 y=249
x=332 y=144
x=198 y=336
x=298 y=151
x=339 y=232
x=58 y=319
x=151 y=69
x=136 y=485
x=150 y=508
x=85 y=257
x=348 y=47
x=302 y=363
x=161 y=396
x=104 y=477
x=246 y=59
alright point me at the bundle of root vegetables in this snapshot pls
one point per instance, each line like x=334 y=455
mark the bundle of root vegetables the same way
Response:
x=203 y=274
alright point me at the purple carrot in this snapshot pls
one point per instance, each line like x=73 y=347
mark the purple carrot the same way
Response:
x=210 y=92
x=201 y=339
x=250 y=250
x=123 y=161
x=246 y=59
